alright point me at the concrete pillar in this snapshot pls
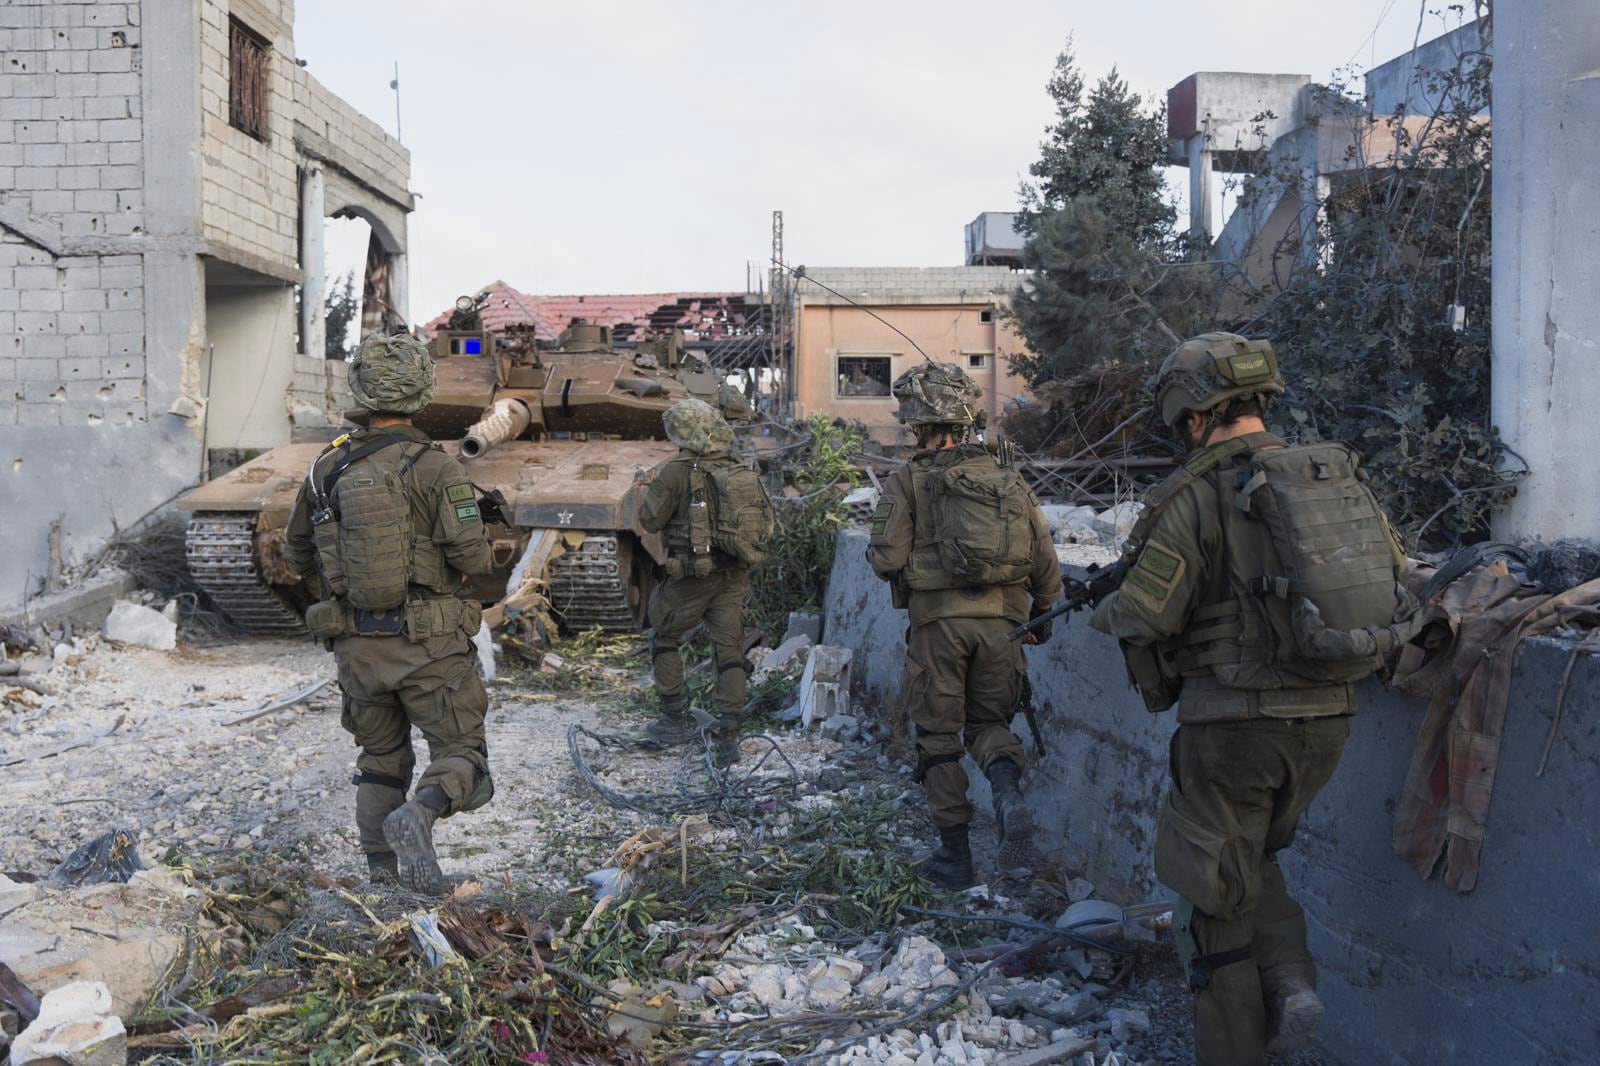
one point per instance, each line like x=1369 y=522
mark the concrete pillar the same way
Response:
x=1315 y=189
x=313 y=310
x=1546 y=320
x=1201 y=220
x=400 y=286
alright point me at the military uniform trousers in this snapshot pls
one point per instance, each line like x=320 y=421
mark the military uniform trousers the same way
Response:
x=677 y=606
x=1238 y=792
x=962 y=677
x=391 y=684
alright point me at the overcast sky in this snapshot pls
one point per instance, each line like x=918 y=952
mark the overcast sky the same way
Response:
x=639 y=146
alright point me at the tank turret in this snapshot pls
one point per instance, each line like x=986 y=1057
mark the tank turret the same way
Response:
x=564 y=432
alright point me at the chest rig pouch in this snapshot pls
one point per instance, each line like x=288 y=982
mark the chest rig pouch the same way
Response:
x=361 y=526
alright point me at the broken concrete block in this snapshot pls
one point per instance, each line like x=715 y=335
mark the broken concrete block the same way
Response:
x=132 y=623
x=793 y=649
x=1079 y=890
x=75 y=1027
x=1133 y=1019
x=825 y=686
x=1058 y=1051
x=1117 y=522
x=843 y=726
x=807 y=623
x=1062 y=518
x=552 y=663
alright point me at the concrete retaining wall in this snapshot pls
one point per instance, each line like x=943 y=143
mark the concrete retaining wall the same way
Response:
x=1412 y=972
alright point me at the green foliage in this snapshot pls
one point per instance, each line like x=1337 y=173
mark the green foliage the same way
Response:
x=1100 y=239
x=795 y=572
x=341 y=307
x=1365 y=325
x=1108 y=148
x=1096 y=296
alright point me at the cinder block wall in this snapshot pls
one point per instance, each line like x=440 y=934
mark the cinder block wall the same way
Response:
x=72 y=167
x=1412 y=972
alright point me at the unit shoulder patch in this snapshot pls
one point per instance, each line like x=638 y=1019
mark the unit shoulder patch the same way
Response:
x=881 y=516
x=1154 y=577
x=457 y=493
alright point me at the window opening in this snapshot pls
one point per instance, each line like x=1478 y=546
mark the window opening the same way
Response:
x=247 y=80
x=864 y=375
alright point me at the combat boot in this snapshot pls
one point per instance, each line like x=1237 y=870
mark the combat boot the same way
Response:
x=1293 y=1013
x=672 y=726
x=950 y=866
x=383 y=868
x=725 y=742
x=409 y=831
x=1016 y=829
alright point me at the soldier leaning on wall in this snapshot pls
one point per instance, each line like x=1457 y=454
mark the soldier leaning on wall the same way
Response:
x=1264 y=583
x=386 y=525
x=965 y=548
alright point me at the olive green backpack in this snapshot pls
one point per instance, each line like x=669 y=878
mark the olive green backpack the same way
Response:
x=741 y=516
x=982 y=522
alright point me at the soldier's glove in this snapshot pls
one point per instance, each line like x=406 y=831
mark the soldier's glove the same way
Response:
x=1040 y=635
x=491 y=507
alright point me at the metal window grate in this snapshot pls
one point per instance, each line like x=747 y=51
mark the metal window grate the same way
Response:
x=247 y=81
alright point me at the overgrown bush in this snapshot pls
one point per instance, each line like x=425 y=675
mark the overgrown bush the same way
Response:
x=795 y=573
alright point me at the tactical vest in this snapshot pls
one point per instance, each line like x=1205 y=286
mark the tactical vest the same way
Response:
x=726 y=521
x=1309 y=587
x=374 y=541
x=972 y=519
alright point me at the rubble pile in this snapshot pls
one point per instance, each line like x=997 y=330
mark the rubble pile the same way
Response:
x=771 y=906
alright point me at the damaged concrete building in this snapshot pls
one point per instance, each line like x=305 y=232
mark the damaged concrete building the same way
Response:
x=165 y=172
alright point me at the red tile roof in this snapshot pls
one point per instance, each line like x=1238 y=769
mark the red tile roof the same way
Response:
x=701 y=315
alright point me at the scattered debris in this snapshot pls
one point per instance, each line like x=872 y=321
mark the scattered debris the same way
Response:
x=112 y=857
x=825 y=685
x=132 y=623
x=75 y=1027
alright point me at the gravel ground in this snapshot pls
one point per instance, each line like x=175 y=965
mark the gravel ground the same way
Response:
x=168 y=768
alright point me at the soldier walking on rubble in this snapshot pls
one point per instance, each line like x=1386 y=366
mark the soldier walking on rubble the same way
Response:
x=386 y=525
x=717 y=523
x=1264 y=582
x=964 y=546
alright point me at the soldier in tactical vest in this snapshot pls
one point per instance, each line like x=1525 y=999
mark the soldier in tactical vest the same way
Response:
x=1218 y=613
x=386 y=526
x=708 y=573
x=965 y=548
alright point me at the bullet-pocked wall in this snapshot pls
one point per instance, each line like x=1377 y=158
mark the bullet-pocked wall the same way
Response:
x=136 y=190
x=1411 y=971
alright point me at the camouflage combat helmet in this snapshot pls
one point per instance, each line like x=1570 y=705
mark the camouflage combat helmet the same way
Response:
x=696 y=426
x=392 y=374
x=936 y=394
x=1212 y=368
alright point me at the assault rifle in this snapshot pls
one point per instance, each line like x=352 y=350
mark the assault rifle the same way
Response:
x=1078 y=595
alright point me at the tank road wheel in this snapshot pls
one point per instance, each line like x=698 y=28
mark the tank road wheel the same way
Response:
x=591 y=585
x=221 y=551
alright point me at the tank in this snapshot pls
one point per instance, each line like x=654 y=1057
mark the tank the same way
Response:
x=566 y=434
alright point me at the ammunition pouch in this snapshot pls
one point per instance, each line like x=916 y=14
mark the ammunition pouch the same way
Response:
x=700 y=564
x=1153 y=672
x=325 y=538
x=329 y=620
x=442 y=616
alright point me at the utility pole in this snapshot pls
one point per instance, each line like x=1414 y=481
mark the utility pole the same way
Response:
x=395 y=85
x=778 y=357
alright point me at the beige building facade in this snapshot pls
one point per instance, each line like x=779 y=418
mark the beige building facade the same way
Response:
x=846 y=357
x=166 y=167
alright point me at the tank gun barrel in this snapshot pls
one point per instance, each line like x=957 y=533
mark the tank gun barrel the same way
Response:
x=506 y=420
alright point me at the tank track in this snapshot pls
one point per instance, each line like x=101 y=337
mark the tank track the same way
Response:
x=220 y=547
x=589 y=586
